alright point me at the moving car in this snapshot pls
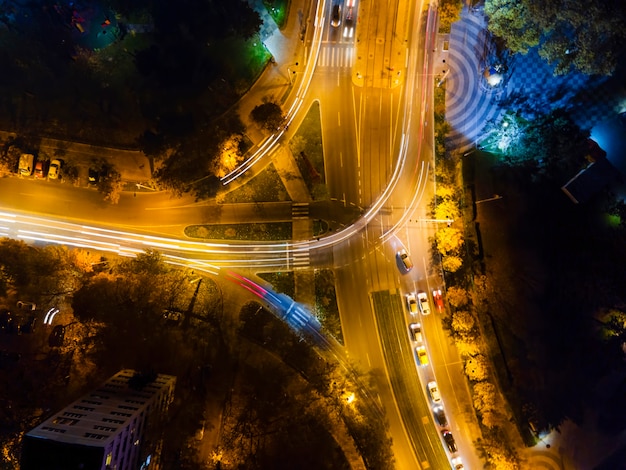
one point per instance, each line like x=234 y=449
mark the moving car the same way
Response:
x=348 y=30
x=449 y=440
x=433 y=390
x=416 y=332
x=406 y=260
x=423 y=303
x=422 y=355
x=200 y=432
x=335 y=15
x=411 y=302
x=55 y=169
x=457 y=464
x=438 y=299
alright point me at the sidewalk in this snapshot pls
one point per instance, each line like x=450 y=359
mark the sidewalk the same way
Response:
x=274 y=84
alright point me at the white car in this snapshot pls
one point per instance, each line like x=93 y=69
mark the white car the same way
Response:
x=406 y=260
x=411 y=302
x=457 y=464
x=433 y=390
x=54 y=170
x=423 y=303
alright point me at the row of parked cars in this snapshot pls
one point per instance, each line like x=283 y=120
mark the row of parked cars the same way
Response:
x=420 y=302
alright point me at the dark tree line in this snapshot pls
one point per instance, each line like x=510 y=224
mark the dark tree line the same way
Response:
x=571 y=34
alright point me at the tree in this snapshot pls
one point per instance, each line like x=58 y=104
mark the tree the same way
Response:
x=111 y=186
x=463 y=322
x=477 y=368
x=449 y=12
x=457 y=296
x=447 y=210
x=451 y=263
x=467 y=346
x=268 y=115
x=449 y=240
x=484 y=396
x=569 y=32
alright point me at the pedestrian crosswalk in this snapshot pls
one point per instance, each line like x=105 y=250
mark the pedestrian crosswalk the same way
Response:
x=300 y=210
x=336 y=55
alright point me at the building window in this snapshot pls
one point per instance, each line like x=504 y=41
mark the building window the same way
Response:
x=104 y=428
x=93 y=435
x=51 y=429
x=119 y=413
x=126 y=407
x=91 y=402
x=74 y=415
x=66 y=421
x=84 y=408
x=114 y=421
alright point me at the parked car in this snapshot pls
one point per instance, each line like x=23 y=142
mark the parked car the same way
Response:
x=438 y=299
x=422 y=355
x=55 y=169
x=40 y=170
x=449 y=440
x=56 y=338
x=433 y=391
x=416 y=332
x=93 y=176
x=28 y=326
x=423 y=303
x=411 y=302
x=440 y=416
x=406 y=260
x=6 y=320
x=26 y=305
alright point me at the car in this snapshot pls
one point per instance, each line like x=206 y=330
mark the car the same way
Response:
x=348 y=30
x=440 y=416
x=438 y=299
x=406 y=260
x=335 y=17
x=200 y=432
x=55 y=169
x=172 y=317
x=411 y=302
x=39 y=170
x=457 y=464
x=6 y=321
x=26 y=305
x=422 y=355
x=449 y=440
x=423 y=303
x=433 y=390
x=416 y=332
x=93 y=176
x=29 y=326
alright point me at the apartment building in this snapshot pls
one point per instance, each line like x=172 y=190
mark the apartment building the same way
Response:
x=117 y=426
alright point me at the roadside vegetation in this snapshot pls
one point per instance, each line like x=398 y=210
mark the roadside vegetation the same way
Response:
x=243 y=372
x=260 y=232
x=306 y=147
x=266 y=186
x=162 y=89
x=535 y=303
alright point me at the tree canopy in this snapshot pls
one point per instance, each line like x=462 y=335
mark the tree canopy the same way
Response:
x=571 y=34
